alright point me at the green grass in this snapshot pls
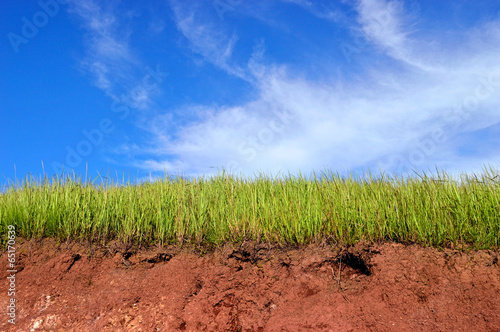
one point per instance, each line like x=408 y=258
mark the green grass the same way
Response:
x=289 y=210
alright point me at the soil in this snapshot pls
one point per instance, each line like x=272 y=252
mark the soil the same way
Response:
x=250 y=287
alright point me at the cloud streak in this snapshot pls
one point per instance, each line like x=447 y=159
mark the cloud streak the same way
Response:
x=204 y=38
x=109 y=57
x=418 y=89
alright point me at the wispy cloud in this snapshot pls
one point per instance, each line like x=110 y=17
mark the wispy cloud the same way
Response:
x=157 y=25
x=387 y=115
x=205 y=38
x=109 y=57
x=324 y=10
x=385 y=24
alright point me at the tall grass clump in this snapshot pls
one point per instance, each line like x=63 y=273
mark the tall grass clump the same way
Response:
x=435 y=211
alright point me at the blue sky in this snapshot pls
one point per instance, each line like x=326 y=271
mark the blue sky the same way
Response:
x=194 y=87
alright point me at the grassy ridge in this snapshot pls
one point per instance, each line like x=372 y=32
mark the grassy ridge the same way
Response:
x=426 y=210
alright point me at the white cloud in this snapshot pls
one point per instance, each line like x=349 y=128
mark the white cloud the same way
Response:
x=385 y=24
x=296 y=124
x=205 y=38
x=293 y=125
x=108 y=57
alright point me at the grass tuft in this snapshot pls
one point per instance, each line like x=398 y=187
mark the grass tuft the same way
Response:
x=288 y=210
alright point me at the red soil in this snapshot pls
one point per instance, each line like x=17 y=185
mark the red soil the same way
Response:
x=381 y=287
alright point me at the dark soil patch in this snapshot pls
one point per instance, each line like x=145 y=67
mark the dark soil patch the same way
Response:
x=379 y=287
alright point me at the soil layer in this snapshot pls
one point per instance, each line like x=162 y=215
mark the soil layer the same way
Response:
x=368 y=287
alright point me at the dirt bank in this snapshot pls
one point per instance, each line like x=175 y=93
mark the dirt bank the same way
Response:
x=381 y=287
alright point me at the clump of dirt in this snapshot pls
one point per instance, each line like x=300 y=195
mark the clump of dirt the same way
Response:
x=383 y=287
